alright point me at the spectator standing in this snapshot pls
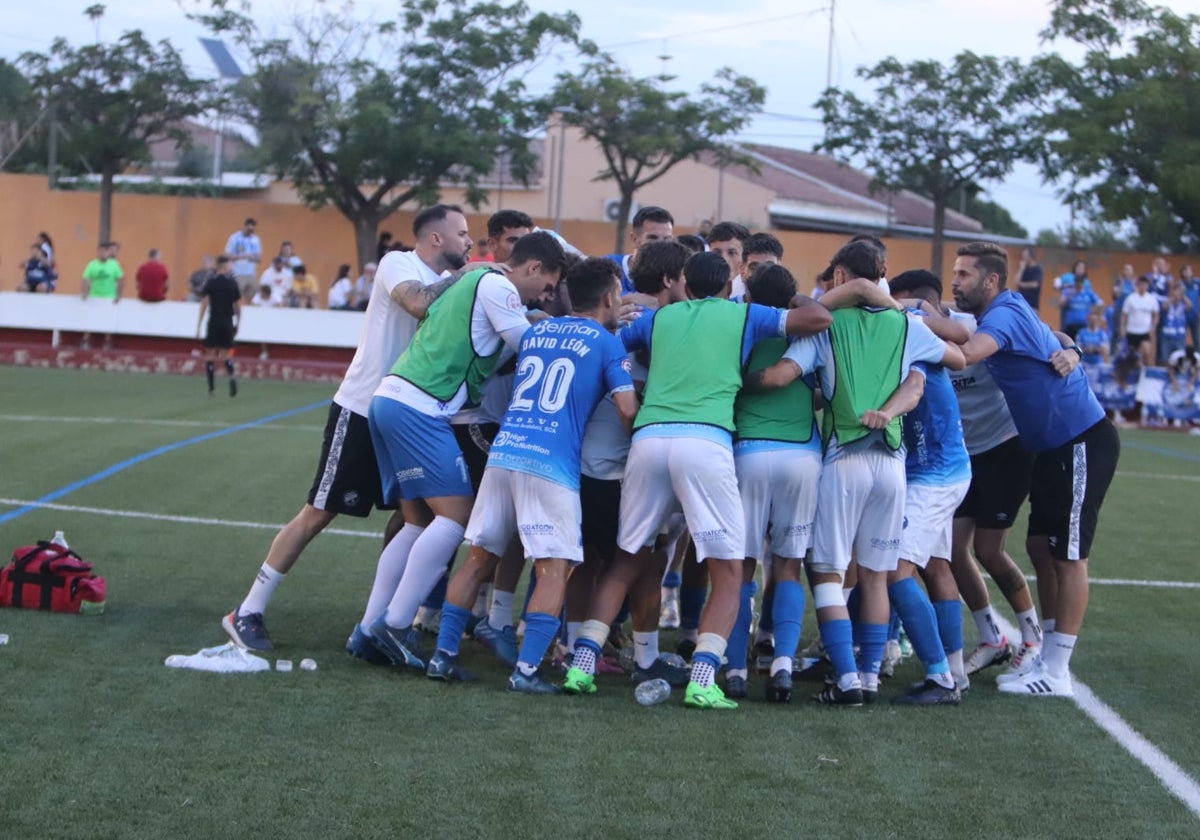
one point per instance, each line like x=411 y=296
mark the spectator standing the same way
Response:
x=1029 y=278
x=287 y=251
x=199 y=278
x=363 y=286
x=305 y=288
x=1160 y=279
x=245 y=248
x=152 y=278
x=1139 y=321
x=1077 y=302
x=39 y=271
x=341 y=292
x=1191 y=290
x=383 y=245
x=1175 y=314
x=103 y=279
x=1093 y=340
x=278 y=277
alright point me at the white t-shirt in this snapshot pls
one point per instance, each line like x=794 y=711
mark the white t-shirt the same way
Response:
x=339 y=293
x=280 y=282
x=986 y=420
x=1139 y=310
x=386 y=331
x=497 y=317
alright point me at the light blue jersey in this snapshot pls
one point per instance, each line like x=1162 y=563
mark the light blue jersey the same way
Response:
x=933 y=435
x=566 y=366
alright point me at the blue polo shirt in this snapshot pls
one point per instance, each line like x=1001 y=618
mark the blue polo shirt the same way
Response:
x=1048 y=410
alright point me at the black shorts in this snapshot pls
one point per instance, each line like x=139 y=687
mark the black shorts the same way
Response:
x=999 y=485
x=600 y=501
x=475 y=441
x=1068 y=488
x=219 y=335
x=1135 y=340
x=347 y=479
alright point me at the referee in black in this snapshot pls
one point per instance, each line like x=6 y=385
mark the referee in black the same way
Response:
x=222 y=299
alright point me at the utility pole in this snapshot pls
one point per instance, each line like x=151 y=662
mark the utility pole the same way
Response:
x=829 y=49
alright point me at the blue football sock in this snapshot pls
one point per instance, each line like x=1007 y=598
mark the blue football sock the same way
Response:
x=672 y=580
x=529 y=592
x=950 y=624
x=870 y=638
x=789 y=613
x=454 y=623
x=894 y=626
x=691 y=604
x=540 y=630
x=766 y=621
x=739 y=638
x=838 y=638
x=437 y=595
x=920 y=623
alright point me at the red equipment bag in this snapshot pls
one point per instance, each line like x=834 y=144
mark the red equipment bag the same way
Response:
x=47 y=576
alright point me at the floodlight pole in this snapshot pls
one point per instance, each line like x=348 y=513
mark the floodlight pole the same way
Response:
x=562 y=156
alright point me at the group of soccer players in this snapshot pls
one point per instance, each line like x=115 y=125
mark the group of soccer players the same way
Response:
x=592 y=414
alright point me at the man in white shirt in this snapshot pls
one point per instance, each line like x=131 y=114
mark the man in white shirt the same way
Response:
x=1139 y=319
x=279 y=279
x=245 y=248
x=347 y=479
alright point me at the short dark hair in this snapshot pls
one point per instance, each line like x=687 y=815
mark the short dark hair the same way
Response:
x=771 y=285
x=826 y=274
x=588 y=281
x=915 y=279
x=872 y=238
x=762 y=243
x=861 y=258
x=299 y=268
x=693 y=243
x=343 y=271
x=988 y=256
x=433 y=215
x=539 y=246
x=651 y=214
x=726 y=231
x=503 y=220
x=223 y=259
x=654 y=261
x=706 y=274
x=249 y=221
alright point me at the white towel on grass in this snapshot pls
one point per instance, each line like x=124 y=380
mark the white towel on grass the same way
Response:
x=226 y=659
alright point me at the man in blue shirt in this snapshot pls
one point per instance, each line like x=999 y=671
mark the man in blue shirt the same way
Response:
x=1077 y=302
x=1076 y=449
x=650 y=224
x=531 y=484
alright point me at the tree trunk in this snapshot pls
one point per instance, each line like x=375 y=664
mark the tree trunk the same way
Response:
x=366 y=239
x=106 y=193
x=939 y=230
x=623 y=218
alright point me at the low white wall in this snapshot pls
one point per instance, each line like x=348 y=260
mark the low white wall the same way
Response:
x=175 y=319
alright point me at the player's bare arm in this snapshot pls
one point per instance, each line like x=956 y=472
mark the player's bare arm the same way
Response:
x=779 y=375
x=415 y=298
x=979 y=347
x=903 y=400
x=858 y=292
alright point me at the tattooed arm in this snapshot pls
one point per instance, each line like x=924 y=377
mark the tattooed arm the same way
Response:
x=415 y=298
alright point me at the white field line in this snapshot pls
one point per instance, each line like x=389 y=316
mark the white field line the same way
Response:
x=1158 y=476
x=131 y=421
x=1152 y=584
x=187 y=520
x=1173 y=777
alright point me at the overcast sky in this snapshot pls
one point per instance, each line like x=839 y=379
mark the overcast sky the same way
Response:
x=783 y=44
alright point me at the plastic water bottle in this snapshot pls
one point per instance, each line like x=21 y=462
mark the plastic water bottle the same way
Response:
x=59 y=539
x=652 y=692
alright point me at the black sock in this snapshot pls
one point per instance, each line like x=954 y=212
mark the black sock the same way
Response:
x=208 y=371
x=229 y=366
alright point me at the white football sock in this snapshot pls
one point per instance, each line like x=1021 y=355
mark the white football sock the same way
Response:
x=389 y=571
x=1031 y=631
x=260 y=591
x=645 y=648
x=429 y=557
x=1057 y=654
x=500 y=613
x=985 y=622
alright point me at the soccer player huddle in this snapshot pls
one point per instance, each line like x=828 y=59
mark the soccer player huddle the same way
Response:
x=592 y=415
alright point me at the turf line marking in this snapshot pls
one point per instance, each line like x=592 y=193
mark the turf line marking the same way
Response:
x=1161 y=450
x=1158 y=476
x=153 y=453
x=1172 y=777
x=141 y=421
x=186 y=520
x=1152 y=584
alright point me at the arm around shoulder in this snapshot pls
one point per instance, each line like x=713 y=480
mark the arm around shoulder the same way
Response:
x=627 y=407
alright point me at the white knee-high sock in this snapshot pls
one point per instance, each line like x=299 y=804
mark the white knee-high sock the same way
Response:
x=389 y=571
x=430 y=555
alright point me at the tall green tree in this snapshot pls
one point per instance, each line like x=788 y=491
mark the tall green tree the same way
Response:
x=22 y=134
x=370 y=116
x=1122 y=126
x=937 y=128
x=645 y=130
x=114 y=99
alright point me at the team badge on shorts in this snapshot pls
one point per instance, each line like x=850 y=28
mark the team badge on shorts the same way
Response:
x=350 y=498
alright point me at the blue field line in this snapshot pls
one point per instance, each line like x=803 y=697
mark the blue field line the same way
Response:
x=146 y=456
x=1161 y=450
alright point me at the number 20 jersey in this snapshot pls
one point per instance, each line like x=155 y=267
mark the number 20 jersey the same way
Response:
x=566 y=366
